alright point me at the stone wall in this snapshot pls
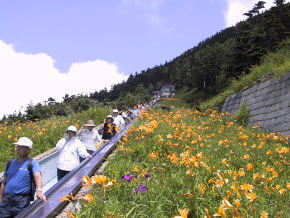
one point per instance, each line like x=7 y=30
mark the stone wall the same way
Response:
x=269 y=103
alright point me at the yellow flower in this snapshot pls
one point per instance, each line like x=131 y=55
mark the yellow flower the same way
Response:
x=100 y=179
x=247 y=187
x=264 y=214
x=246 y=156
x=237 y=202
x=221 y=212
x=282 y=191
x=70 y=214
x=88 y=198
x=183 y=213
x=136 y=169
x=250 y=166
x=109 y=184
x=252 y=196
x=154 y=155
x=68 y=198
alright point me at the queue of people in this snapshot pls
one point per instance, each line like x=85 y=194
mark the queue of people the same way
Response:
x=22 y=177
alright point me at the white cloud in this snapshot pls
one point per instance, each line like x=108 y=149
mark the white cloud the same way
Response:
x=236 y=8
x=33 y=78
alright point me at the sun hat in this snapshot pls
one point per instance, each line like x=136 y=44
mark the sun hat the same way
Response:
x=91 y=123
x=115 y=111
x=109 y=117
x=72 y=128
x=24 y=141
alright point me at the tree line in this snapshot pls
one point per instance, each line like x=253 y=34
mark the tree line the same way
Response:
x=205 y=69
x=208 y=68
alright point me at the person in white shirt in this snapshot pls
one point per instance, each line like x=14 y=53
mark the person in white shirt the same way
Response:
x=124 y=116
x=71 y=148
x=90 y=137
x=118 y=120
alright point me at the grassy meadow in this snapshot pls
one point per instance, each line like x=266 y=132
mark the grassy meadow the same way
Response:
x=185 y=163
x=45 y=133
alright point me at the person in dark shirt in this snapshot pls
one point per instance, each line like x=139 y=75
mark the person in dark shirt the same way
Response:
x=109 y=128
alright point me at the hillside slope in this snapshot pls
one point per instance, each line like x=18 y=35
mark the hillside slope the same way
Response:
x=209 y=67
x=188 y=162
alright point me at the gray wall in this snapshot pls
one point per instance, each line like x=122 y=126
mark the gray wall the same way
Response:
x=269 y=103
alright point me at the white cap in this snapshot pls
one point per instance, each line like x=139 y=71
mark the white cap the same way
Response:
x=24 y=141
x=115 y=111
x=72 y=128
x=109 y=116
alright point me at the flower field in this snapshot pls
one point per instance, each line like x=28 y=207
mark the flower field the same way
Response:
x=45 y=133
x=186 y=163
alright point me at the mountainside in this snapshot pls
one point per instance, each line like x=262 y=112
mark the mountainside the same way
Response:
x=210 y=66
x=204 y=75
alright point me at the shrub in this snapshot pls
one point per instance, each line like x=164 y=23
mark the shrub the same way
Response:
x=243 y=114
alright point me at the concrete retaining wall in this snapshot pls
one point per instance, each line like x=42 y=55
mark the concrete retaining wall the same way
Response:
x=269 y=103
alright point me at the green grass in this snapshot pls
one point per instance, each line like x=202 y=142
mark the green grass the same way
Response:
x=45 y=133
x=195 y=161
x=273 y=65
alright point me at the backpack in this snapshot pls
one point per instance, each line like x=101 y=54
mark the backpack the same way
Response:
x=32 y=181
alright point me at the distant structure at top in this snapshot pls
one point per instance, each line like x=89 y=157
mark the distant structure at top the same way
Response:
x=167 y=90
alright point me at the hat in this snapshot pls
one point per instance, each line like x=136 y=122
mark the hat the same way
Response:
x=24 y=141
x=109 y=116
x=115 y=111
x=72 y=128
x=91 y=123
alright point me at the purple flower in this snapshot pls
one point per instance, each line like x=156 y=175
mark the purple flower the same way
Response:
x=141 y=188
x=147 y=175
x=128 y=177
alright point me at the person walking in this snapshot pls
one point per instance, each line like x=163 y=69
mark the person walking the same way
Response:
x=20 y=177
x=71 y=149
x=125 y=117
x=90 y=137
x=109 y=128
x=118 y=119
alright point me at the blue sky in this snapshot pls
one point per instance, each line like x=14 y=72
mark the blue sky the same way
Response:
x=52 y=47
x=133 y=34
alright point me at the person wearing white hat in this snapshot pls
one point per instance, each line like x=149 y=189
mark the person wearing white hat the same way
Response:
x=118 y=119
x=90 y=137
x=71 y=149
x=21 y=175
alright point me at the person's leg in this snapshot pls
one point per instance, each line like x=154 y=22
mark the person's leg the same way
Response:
x=61 y=174
x=5 y=208
x=21 y=202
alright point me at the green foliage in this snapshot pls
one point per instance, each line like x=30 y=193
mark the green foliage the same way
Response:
x=243 y=114
x=273 y=65
x=70 y=104
x=195 y=161
x=210 y=67
x=141 y=94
